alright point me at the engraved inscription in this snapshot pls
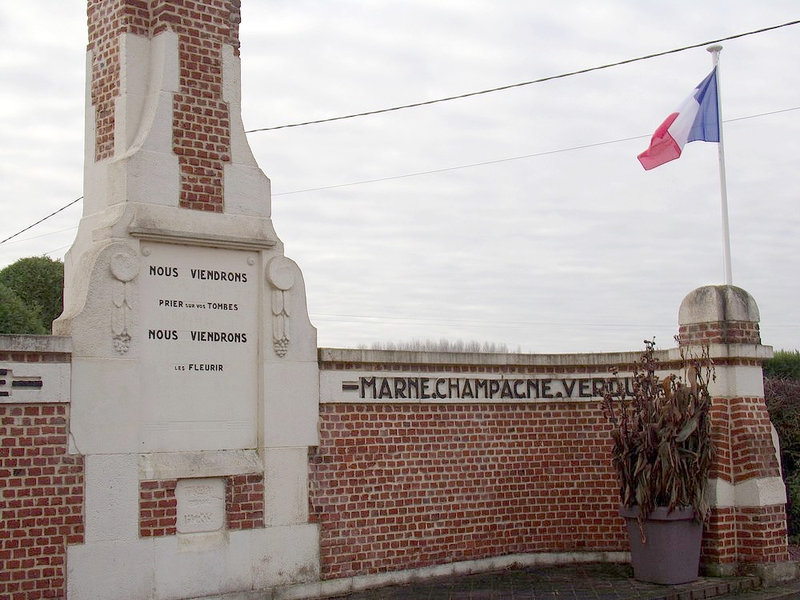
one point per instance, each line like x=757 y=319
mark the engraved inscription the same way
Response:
x=201 y=505
x=198 y=324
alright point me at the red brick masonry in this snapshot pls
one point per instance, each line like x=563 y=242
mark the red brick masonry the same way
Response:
x=41 y=505
x=397 y=486
x=743 y=441
x=201 y=121
x=720 y=332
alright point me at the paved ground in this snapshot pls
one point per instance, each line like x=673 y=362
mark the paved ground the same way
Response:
x=574 y=582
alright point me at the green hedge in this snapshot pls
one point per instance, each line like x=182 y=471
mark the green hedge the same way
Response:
x=38 y=282
x=16 y=316
x=783 y=402
x=785 y=364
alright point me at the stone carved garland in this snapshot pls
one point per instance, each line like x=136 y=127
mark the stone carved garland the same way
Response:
x=124 y=267
x=280 y=274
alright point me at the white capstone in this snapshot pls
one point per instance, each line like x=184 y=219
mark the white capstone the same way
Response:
x=714 y=303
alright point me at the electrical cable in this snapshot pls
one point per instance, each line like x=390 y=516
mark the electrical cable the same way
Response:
x=41 y=220
x=509 y=159
x=434 y=171
x=525 y=83
x=470 y=94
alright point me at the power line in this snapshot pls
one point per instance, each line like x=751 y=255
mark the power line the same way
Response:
x=432 y=171
x=467 y=166
x=470 y=94
x=43 y=219
x=524 y=83
x=41 y=235
x=509 y=159
x=417 y=320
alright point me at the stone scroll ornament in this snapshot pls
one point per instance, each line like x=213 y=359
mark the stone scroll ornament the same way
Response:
x=280 y=273
x=124 y=267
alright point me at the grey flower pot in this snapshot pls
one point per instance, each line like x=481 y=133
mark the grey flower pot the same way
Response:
x=671 y=553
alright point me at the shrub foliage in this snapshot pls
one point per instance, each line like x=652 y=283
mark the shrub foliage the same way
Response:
x=785 y=364
x=15 y=315
x=37 y=282
x=783 y=402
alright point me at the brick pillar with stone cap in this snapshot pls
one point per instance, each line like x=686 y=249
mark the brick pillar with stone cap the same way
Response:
x=719 y=314
x=746 y=530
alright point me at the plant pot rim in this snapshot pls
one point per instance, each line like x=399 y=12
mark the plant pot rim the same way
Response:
x=660 y=513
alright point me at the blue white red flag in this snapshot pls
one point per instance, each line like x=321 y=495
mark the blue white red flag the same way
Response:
x=697 y=119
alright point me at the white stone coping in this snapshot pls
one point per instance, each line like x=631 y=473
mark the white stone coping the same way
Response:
x=599 y=361
x=216 y=463
x=413 y=357
x=35 y=343
x=169 y=224
x=23 y=382
x=755 y=492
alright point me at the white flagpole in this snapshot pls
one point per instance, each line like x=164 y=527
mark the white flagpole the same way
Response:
x=723 y=186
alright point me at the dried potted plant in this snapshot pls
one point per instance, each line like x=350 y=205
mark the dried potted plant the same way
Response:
x=662 y=451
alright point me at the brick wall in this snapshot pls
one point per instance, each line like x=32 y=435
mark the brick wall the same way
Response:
x=743 y=441
x=244 y=501
x=719 y=537
x=404 y=486
x=720 y=332
x=761 y=534
x=753 y=453
x=429 y=479
x=42 y=500
x=41 y=483
x=157 y=507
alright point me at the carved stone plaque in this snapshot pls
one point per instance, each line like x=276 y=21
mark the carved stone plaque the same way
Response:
x=201 y=505
x=199 y=348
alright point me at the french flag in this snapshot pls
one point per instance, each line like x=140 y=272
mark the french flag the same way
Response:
x=697 y=119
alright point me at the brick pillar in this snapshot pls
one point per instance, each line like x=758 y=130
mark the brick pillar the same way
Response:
x=178 y=121
x=747 y=525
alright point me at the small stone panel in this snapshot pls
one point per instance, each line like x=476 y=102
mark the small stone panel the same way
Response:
x=200 y=505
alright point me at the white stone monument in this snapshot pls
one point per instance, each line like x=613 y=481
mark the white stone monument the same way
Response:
x=194 y=376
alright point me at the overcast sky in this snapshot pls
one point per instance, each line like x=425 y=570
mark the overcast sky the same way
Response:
x=535 y=225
